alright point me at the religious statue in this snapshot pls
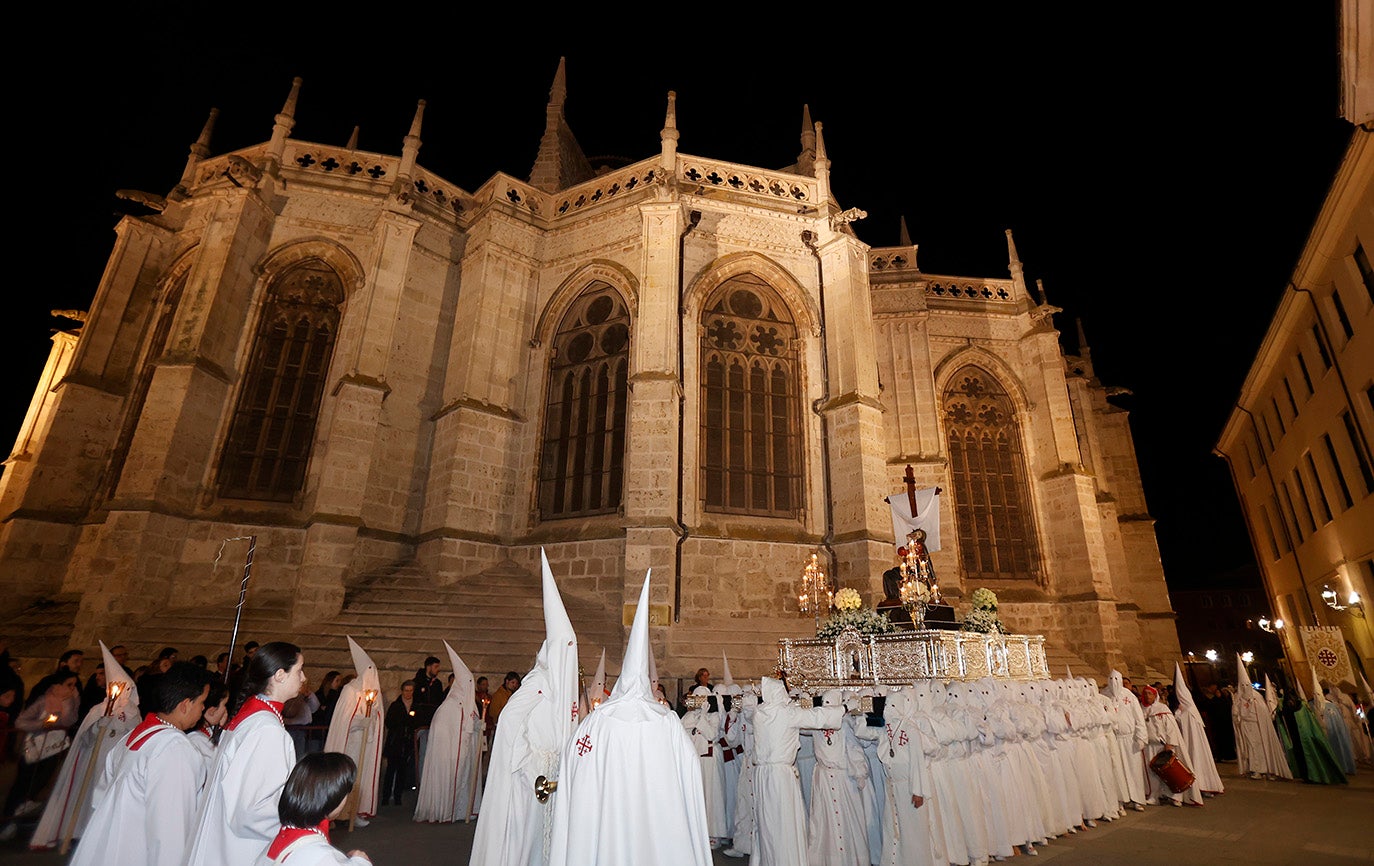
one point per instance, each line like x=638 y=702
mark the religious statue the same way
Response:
x=892 y=604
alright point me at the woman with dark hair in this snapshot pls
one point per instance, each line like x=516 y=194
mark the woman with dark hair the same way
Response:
x=254 y=758
x=315 y=792
x=328 y=695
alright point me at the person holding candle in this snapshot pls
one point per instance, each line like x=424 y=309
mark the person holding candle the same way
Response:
x=399 y=748
x=44 y=722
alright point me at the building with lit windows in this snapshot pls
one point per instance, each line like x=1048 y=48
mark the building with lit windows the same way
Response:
x=401 y=390
x=1298 y=441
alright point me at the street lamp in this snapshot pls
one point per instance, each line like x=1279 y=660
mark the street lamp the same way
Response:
x=1211 y=655
x=1271 y=626
x=1354 y=603
x=1247 y=657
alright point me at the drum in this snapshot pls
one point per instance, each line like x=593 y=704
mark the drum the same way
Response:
x=1173 y=772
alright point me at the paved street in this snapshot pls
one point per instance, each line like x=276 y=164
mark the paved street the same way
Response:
x=1254 y=823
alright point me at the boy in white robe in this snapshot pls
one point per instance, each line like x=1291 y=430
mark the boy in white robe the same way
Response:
x=147 y=798
x=451 y=784
x=630 y=791
x=316 y=791
x=780 y=826
x=358 y=729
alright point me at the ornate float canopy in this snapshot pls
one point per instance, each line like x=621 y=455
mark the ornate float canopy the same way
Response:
x=854 y=660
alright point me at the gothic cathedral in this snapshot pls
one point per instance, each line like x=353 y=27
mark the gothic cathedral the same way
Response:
x=680 y=363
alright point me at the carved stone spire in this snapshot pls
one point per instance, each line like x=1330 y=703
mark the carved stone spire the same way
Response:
x=352 y=140
x=806 y=160
x=1040 y=290
x=903 y=236
x=1084 y=353
x=822 y=169
x=560 y=162
x=410 y=145
x=1018 y=273
x=669 y=137
x=199 y=150
x=284 y=122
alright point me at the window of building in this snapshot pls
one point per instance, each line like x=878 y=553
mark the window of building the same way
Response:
x=273 y=427
x=1340 y=314
x=1323 y=507
x=1278 y=416
x=1304 y=504
x=1207 y=601
x=138 y=395
x=1346 y=500
x=1292 y=403
x=1259 y=452
x=1292 y=514
x=582 y=458
x=1366 y=270
x=991 y=494
x=1273 y=536
x=750 y=397
x=1268 y=432
x=1285 y=540
x=1306 y=376
x=1360 y=460
x=1249 y=459
x=1321 y=349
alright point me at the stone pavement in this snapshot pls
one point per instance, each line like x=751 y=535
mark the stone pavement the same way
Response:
x=1253 y=823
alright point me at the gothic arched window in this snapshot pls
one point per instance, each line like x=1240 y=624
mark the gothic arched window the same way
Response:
x=991 y=498
x=274 y=423
x=582 y=466
x=750 y=442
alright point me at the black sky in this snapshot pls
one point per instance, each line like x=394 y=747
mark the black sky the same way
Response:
x=1160 y=173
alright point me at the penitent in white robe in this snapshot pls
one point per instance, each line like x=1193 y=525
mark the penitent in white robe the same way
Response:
x=740 y=735
x=1258 y=749
x=703 y=728
x=1161 y=731
x=1195 y=738
x=838 y=828
x=780 y=827
x=239 y=817
x=909 y=839
x=451 y=784
x=359 y=734
x=629 y=780
x=68 y=808
x=145 y=802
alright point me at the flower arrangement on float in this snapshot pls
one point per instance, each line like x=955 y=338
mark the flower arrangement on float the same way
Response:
x=850 y=613
x=983 y=616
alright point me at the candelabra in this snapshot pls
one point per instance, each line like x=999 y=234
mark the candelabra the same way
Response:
x=814 y=585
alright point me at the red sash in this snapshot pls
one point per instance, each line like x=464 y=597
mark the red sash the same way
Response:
x=150 y=725
x=287 y=835
x=253 y=705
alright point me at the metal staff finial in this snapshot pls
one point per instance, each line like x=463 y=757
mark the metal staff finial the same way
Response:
x=243 y=594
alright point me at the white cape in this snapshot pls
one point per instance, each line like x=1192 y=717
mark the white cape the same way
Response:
x=451 y=784
x=630 y=789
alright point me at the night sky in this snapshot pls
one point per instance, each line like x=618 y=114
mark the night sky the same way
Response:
x=1160 y=173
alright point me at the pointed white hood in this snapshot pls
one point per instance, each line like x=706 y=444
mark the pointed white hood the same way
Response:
x=365 y=668
x=1181 y=693
x=115 y=674
x=598 y=691
x=558 y=655
x=1271 y=695
x=636 y=679
x=464 y=688
x=1242 y=675
x=1318 y=699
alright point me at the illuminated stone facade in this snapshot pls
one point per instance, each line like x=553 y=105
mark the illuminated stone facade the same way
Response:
x=368 y=368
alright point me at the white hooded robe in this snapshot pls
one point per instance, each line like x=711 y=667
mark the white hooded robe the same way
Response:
x=451 y=783
x=1195 y=737
x=630 y=790
x=358 y=730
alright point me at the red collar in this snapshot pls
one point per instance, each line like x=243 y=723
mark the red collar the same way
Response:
x=253 y=705
x=288 y=835
x=150 y=725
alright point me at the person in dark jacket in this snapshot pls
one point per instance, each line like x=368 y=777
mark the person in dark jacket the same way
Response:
x=429 y=691
x=399 y=747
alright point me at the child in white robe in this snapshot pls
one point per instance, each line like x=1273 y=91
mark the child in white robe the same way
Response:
x=315 y=792
x=146 y=799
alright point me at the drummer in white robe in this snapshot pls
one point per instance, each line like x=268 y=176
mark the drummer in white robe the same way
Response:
x=780 y=835
x=629 y=787
x=146 y=800
x=1162 y=732
x=451 y=784
x=1195 y=738
x=357 y=729
x=535 y=725
x=238 y=818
